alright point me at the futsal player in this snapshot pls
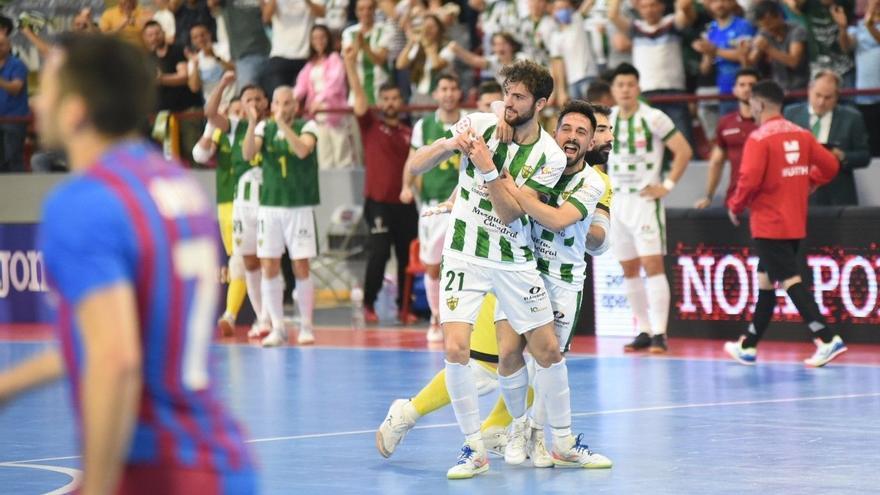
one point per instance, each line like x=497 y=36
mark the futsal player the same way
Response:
x=129 y=245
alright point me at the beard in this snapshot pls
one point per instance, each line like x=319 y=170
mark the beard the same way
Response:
x=578 y=156
x=390 y=113
x=598 y=156
x=520 y=119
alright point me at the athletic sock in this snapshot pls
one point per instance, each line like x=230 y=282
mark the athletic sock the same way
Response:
x=638 y=301
x=552 y=384
x=235 y=295
x=658 y=302
x=304 y=294
x=432 y=293
x=273 y=300
x=432 y=396
x=499 y=416
x=252 y=281
x=463 y=393
x=514 y=389
x=538 y=412
x=809 y=311
x=763 y=314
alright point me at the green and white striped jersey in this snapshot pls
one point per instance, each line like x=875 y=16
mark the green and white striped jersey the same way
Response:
x=372 y=76
x=248 y=190
x=639 y=144
x=561 y=254
x=438 y=183
x=476 y=234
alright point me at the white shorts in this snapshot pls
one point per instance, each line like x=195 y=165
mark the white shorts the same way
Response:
x=566 y=304
x=638 y=227
x=244 y=228
x=521 y=294
x=293 y=228
x=432 y=232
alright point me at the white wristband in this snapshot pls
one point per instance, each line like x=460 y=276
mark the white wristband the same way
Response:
x=669 y=184
x=490 y=176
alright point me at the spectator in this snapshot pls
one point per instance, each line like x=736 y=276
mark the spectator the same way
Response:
x=206 y=68
x=505 y=51
x=292 y=22
x=386 y=147
x=488 y=92
x=321 y=85
x=188 y=13
x=573 y=61
x=820 y=18
x=839 y=128
x=13 y=103
x=335 y=18
x=725 y=48
x=165 y=17
x=600 y=92
x=424 y=56
x=865 y=40
x=535 y=32
x=127 y=19
x=82 y=23
x=371 y=43
x=248 y=44
x=780 y=45
x=496 y=16
x=6 y=25
x=657 y=52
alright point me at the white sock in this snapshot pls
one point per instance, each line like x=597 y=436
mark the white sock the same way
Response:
x=273 y=300
x=552 y=383
x=538 y=413
x=305 y=300
x=515 y=390
x=463 y=393
x=432 y=292
x=252 y=280
x=638 y=301
x=658 y=302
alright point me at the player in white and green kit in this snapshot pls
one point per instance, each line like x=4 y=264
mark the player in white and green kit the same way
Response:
x=433 y=187
x=288 y=196
x=372 y=43
x=638 y=228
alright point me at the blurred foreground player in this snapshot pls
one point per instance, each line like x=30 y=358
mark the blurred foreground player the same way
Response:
x=782 y=163
x=130 y=245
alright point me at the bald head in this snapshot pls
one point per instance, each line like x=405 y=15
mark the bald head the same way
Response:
x=824 y=92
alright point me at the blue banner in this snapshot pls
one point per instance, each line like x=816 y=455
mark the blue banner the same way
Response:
x=23 y=284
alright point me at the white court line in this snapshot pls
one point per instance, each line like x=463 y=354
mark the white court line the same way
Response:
x=75 y=475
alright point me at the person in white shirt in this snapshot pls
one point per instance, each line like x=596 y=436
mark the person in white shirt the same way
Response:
x=292 y=22
x=573 y=60
x=205 y=67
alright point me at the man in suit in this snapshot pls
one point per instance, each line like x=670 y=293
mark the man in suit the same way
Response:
x=841 y=129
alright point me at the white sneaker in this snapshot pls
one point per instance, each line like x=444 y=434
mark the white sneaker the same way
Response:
x=435 y=333
x=305 y=336
x=470 y=463
x=226 y=324
x=259 y=330
x=398 y=422
x=538 y=451
x=571 y=453
x=826 y=352
x=515 y=451
x=275 y=338
x=495 y=438
x=742 y=355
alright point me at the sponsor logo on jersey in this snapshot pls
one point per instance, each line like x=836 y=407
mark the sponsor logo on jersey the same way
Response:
x=792 y=152
x=535 y=290
x=558 y=315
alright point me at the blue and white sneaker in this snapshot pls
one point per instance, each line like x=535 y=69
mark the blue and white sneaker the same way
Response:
x=471 y=462
x=741 y=354
x=826 y=352
x=569 y=452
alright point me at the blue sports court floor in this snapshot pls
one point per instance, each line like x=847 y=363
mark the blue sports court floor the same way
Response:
x=683 y=424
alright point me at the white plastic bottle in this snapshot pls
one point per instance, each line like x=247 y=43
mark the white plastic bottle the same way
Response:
x=357 y=306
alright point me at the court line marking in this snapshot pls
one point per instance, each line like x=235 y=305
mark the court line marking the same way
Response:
x=75 y=474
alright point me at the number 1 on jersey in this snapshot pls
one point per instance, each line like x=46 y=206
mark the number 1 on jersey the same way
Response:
x=283 y=160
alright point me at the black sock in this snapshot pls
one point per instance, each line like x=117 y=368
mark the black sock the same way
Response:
x=809 y=311
x=763 y=314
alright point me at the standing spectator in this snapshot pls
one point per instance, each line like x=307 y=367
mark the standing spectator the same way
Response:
x=505 y=51
x=165 y=17
x=730 y=136
x=780 y=45
x=657 y=52
x=189 y=13
x=725 y=48
x=292 y=22
x=496 y=16
x=824 y=31
x=13 y=103
x=386 y=147
x=573 y=61
x=424 y=57
x=206 y=68
x=865 y=40
x=248 y=43
x=535 y=32
x=371 y=43
x=335 y=18
x=781 y=164
x=839 y=128
x=127 y=19
x=320 y=85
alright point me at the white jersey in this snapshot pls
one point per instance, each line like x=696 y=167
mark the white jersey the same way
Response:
x=639 y=143
x=476 y=234
x=561 y=254
x=247 y=192
x=371 y=76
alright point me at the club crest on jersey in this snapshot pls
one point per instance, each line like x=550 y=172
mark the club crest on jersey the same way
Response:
x=792 y=151
x=565 y=195
x=452 y=303
x=527 y=171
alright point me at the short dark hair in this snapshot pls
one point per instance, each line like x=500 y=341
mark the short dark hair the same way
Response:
x=536 y=78
x=510 y=39
x=201 y=25
x=449 y=76
x=489 y=87
x=770 y=91
x=6 y=25
x=767 y=7
x=624 y=69
x=599 y=108
x=581 y=107
x=151 y=23
x=248 y=87
x=747 y=72
x=597 y=90
x=388 y=86
x=115 y=78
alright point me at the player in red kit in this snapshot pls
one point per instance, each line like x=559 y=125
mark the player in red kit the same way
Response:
x=782 y=163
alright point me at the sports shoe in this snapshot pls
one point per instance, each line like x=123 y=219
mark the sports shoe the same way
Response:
x=470 y=463
x=826 y=352
x=435 y=333
x=305 y=336
x=515 y=450
x=397 y=423
x=226 y=324
x=537 y=450
x=259 y=330
x=275 y=338
x=640 y=343
x=658 y=344
x=746 y=356
x=370 y=316
x=407 y=319
x=573 y=454
x=495 y=439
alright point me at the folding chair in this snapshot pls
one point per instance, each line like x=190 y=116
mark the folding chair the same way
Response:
x=330 y=267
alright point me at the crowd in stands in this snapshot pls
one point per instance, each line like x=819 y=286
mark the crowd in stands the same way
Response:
x=679 y=47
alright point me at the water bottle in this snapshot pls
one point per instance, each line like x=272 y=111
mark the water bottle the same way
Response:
x=357 y=307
